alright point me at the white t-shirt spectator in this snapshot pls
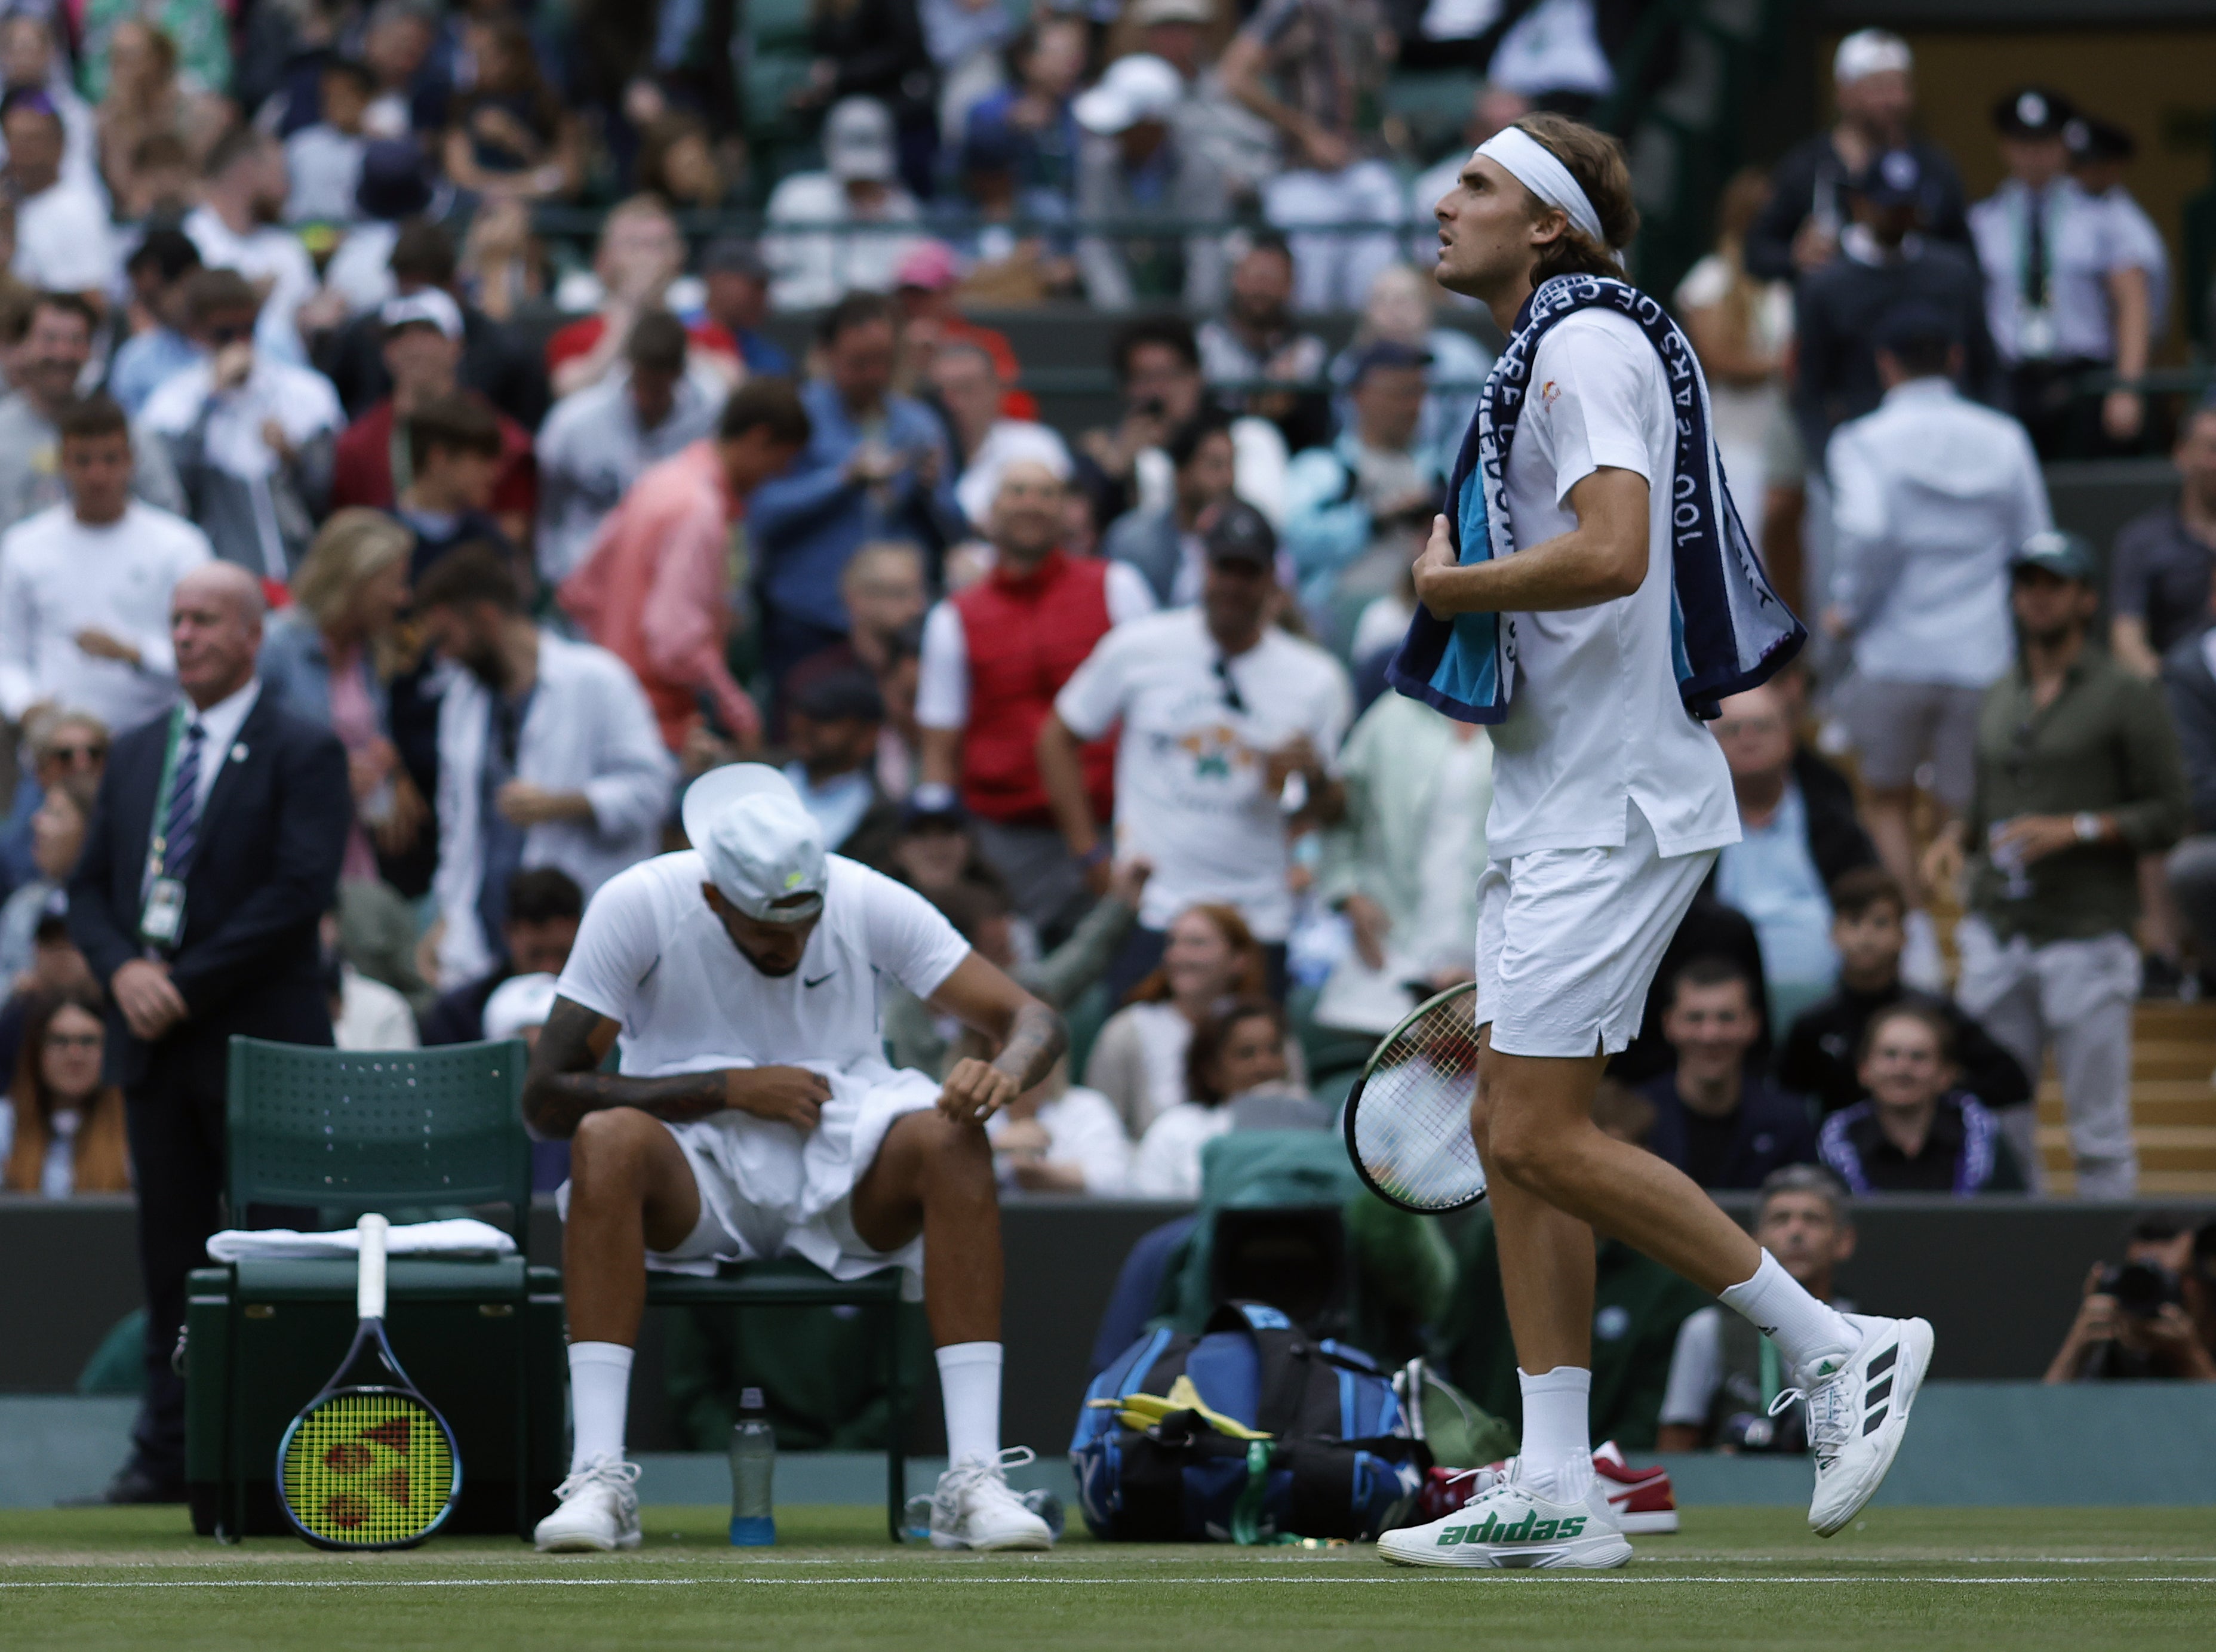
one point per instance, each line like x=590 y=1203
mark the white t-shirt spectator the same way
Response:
x=325 y=165
x=811 y=269
x=652 y=955
x=59 y=577
x=64 y=243
x=1167 y=1163
x=1595 y=725
x=1197 y=728
x=1082 y=1129
x=942 y=688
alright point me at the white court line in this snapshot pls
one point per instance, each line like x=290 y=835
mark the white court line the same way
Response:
x=1439 y=1575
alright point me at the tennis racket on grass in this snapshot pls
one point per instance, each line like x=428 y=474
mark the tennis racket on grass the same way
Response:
x=368 y=1464
x=1407 y=1118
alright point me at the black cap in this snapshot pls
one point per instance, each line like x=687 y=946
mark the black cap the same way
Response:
x=933 y=806
x=1916 y=323
x=2032 y=112
x=839 y=697
x=2058 y=551
x=1387 y=354
x=733 y=254
x=1893 y=179
x=395 y=181
x=2088 y=137
x=1242 y=534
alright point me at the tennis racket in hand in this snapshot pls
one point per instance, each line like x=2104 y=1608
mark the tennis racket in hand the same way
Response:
x=1408 y=1119
x=369 y=1463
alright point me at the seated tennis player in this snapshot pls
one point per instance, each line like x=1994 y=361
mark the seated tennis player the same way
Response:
x=753 y=1115
x=1601 y=594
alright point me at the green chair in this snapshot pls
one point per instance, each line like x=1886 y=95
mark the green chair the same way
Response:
x=794 y=1284
x=411 y=1135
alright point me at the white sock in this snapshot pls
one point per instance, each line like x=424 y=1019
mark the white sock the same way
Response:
x=600 y=1395
x=1780 y=1307
x=969 y=1384
x=1556 y=1460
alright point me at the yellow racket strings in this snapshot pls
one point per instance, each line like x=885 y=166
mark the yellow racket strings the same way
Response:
x=363 y=1469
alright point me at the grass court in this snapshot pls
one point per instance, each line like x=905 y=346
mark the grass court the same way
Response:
x=1935 y=1578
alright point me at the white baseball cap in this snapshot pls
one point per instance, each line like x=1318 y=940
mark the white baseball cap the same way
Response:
x=1870 y=52
x=1141 y=86
x=761 y=846
x=519 y=1002
x=430 y=306
x=858 y=141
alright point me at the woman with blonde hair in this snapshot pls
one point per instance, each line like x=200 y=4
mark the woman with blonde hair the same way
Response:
x=1742 y=328
x=61 y=1129
x=1138 y=1062
x=332 y=657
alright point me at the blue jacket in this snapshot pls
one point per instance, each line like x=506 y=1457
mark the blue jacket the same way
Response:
x=1328 y=523
x=1775 y=1130
x=296 y=668
x=803 y=526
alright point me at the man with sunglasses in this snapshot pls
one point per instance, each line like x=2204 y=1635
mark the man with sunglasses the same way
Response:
x=1231 y=733
x=252 y=435
x=2078 y=775
x=62 y=743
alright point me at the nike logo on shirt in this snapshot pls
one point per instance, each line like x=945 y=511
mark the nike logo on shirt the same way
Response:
x=819 y=979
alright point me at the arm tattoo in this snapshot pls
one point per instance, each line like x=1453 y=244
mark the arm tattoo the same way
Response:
x=1035 y=1044
x=564 y=1081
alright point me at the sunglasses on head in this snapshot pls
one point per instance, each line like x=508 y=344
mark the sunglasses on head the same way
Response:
x=88 y=752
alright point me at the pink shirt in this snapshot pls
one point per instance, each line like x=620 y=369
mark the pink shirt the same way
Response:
x=353 y=720
x=654 y=590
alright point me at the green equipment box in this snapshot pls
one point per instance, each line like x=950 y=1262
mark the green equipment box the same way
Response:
x=482 y=1340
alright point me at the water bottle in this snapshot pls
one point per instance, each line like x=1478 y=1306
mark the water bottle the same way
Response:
x=753 y=1463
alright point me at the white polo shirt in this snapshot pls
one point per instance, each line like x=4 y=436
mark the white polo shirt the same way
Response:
x=1595 y=725
x=651 y=956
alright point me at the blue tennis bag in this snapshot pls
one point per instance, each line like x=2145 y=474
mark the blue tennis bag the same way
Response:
x=1339 y=1459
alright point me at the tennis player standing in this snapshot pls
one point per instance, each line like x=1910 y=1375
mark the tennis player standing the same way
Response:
x=1610 y=801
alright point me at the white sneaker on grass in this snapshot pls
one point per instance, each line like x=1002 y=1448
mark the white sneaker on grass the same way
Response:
x=1510 y=1527
x=973 y=1508
x=1858 y=1413
x=598 y=1510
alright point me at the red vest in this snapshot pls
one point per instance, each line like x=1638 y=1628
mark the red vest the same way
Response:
x=1025 y=634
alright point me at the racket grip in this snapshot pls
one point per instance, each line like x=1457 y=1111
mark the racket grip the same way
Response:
x=369 y=1286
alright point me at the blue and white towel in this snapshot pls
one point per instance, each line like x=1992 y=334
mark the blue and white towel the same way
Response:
x=1730 y=630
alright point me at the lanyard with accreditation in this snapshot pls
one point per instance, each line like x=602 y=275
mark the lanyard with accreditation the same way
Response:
x=162 y=918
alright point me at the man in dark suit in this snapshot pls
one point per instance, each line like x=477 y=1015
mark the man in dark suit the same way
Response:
x=212 y=853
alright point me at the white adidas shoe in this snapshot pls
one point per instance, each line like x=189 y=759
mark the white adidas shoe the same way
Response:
x=973 y=1508
x=599 y=1511
x=1509 y=1527
x=1858 y=1413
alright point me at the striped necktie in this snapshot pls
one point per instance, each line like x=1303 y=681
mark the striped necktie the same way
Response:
x=182 y=824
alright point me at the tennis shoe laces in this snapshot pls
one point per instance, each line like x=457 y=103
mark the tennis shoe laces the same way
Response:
x=973 y=1508
x=598 y=1510
x=1858 y=1414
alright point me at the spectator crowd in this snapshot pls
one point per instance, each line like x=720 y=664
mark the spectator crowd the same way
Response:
x=371 y=583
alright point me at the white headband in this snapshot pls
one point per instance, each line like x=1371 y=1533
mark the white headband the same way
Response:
x=1532 y=165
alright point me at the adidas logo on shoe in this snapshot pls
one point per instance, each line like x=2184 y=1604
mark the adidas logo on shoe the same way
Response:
x=1530 y=1529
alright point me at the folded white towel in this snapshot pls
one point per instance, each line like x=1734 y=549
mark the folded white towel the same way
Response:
x=462 y=1236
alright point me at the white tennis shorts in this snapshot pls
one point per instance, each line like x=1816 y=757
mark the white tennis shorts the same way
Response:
x=766 y=1191
x=1568 y=941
